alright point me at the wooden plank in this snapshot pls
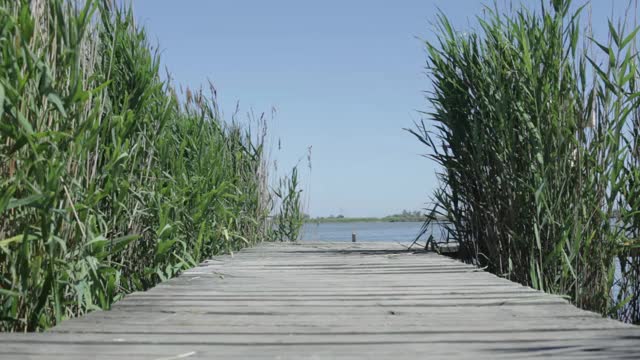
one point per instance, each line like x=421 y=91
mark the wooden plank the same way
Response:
x=333 y=301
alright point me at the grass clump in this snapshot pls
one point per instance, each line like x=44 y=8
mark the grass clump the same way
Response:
x=109 y=183
x=535 y=126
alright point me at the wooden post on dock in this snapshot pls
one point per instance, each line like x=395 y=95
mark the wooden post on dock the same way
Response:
x=353 y=237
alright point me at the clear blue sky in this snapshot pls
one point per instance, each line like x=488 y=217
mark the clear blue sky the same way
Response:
x=344 y=76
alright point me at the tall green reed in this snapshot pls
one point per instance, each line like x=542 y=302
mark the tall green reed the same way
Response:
x=290 y=217
x=534 y=136
x=109 y=180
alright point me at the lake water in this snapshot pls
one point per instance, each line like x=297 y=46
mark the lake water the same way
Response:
x=367 y=231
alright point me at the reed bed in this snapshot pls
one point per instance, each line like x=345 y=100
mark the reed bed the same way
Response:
x=535 y=126
x=110 y=180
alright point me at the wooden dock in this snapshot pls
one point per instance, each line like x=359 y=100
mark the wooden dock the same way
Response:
x=333 y=301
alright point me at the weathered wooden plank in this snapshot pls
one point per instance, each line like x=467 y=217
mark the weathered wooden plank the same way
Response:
x=330 y=337
x=333 y=301
x=188 y=323
x=558 y=349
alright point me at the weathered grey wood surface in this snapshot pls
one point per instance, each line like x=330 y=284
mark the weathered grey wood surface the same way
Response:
x=333 y=301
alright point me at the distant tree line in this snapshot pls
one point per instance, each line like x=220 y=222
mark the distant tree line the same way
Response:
x=404 y=216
